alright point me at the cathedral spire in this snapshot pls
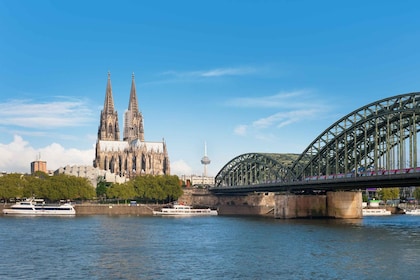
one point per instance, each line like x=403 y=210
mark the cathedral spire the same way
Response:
x=108 y=127
x=109 y=101
x=132 y=104
x=133 y=119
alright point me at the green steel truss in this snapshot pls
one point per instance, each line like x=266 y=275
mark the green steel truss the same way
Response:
x=381 y=135
x=257 y=168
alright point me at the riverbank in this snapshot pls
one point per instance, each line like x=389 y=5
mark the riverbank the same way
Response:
x=147 y=209
x=109 y=209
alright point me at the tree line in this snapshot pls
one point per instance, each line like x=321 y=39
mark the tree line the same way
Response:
x=67 y=187
x=145 y=189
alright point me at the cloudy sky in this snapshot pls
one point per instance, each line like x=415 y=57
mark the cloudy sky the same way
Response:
x=241 y=76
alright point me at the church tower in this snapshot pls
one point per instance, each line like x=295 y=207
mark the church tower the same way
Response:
x=133 y=119
x=108 y=127
x=132 y=156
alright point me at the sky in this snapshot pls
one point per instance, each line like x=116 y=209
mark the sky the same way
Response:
x=237 y=76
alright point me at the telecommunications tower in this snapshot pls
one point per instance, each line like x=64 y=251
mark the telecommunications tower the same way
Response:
x=205 y=160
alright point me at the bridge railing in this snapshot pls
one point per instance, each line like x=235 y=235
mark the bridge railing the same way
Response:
x=363 y=174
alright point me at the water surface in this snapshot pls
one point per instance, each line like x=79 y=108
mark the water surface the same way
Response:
x=125 y=247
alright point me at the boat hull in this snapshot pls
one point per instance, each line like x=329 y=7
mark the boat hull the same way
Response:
x=415 y=212
x=28 y=208
x=185 y=210
x=376 y=212
x=39 y=212
x=207 y=213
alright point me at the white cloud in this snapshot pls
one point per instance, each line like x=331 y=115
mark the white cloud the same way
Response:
x=280 y=100
x=240 y=130
x=218 y=72
x=227 y=72
x=180 y=167
x=292 y=107
x=17 y=156
x=282 y=119
x=29 y=114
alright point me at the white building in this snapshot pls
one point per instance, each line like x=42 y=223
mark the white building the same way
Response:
x=91 y=173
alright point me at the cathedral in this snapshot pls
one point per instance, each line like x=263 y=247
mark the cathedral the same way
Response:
x=132 y=156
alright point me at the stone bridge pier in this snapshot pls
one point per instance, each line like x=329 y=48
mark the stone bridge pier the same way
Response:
x=341 y=205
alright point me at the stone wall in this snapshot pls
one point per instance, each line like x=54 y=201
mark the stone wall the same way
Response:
x=260 y=204
x=114 y=209
x=342 y=205
x=109 y=209
x=300 y=206
x=347 y=205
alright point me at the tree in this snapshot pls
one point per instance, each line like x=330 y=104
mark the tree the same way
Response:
x=121 y=191
x=41 y=185
x=389 y=193
x=416 y=193
x=101 y=187
x=11 y=186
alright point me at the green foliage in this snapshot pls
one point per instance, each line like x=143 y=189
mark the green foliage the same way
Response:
x=52 y=188
x=148 y=188
x=364 y=198
x=389 y=193
x=417 y=193
x=101 y=187
x=12 y=185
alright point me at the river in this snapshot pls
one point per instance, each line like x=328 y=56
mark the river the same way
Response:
x=221 y=247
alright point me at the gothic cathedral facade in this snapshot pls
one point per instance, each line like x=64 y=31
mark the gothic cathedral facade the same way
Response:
x=132 y=156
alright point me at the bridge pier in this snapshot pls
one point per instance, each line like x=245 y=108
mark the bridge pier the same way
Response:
x=341 y=205
x=344 y=205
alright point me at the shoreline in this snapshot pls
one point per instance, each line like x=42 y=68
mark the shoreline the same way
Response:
x=108 y=209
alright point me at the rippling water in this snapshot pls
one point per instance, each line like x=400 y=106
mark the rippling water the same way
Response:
x=103 y=247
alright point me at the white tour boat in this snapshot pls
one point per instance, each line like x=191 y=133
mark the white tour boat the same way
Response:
x=375 y=212
x=32 y=207
x=415 y=212
x=185 y=210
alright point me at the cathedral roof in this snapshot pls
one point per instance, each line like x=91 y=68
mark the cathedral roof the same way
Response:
x=113 y=145
x=150 y=146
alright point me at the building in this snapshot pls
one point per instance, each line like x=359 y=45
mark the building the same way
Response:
x=39 y=165
x=133 y=155
x=196 y=180
x=91 y=173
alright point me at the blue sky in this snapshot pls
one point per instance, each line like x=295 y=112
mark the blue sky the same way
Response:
x=242 y=76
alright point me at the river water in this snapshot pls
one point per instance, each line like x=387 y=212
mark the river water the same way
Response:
x=127 y=247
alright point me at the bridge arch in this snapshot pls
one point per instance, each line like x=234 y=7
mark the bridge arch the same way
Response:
x=256 y=168
x=380 y=135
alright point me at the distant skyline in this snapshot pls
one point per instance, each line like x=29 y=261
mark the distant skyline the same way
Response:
x=240 y=76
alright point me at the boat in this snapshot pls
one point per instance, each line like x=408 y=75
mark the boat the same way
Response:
x=375 y=212
x=185 y=210
x=415 y=212
x=37 y=207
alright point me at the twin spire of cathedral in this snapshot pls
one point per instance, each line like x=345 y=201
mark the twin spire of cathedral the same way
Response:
x=133 y=119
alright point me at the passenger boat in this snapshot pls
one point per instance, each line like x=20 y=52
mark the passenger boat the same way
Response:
x=415 y=212
x=375 y=212
x=34 y=208
x=185 y=210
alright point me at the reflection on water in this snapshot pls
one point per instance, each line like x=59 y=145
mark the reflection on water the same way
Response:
x=102 y=247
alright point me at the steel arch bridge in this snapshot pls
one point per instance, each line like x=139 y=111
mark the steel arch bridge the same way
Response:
x=377 y=137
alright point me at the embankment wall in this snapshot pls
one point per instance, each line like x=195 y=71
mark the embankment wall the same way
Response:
x=109 y=209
